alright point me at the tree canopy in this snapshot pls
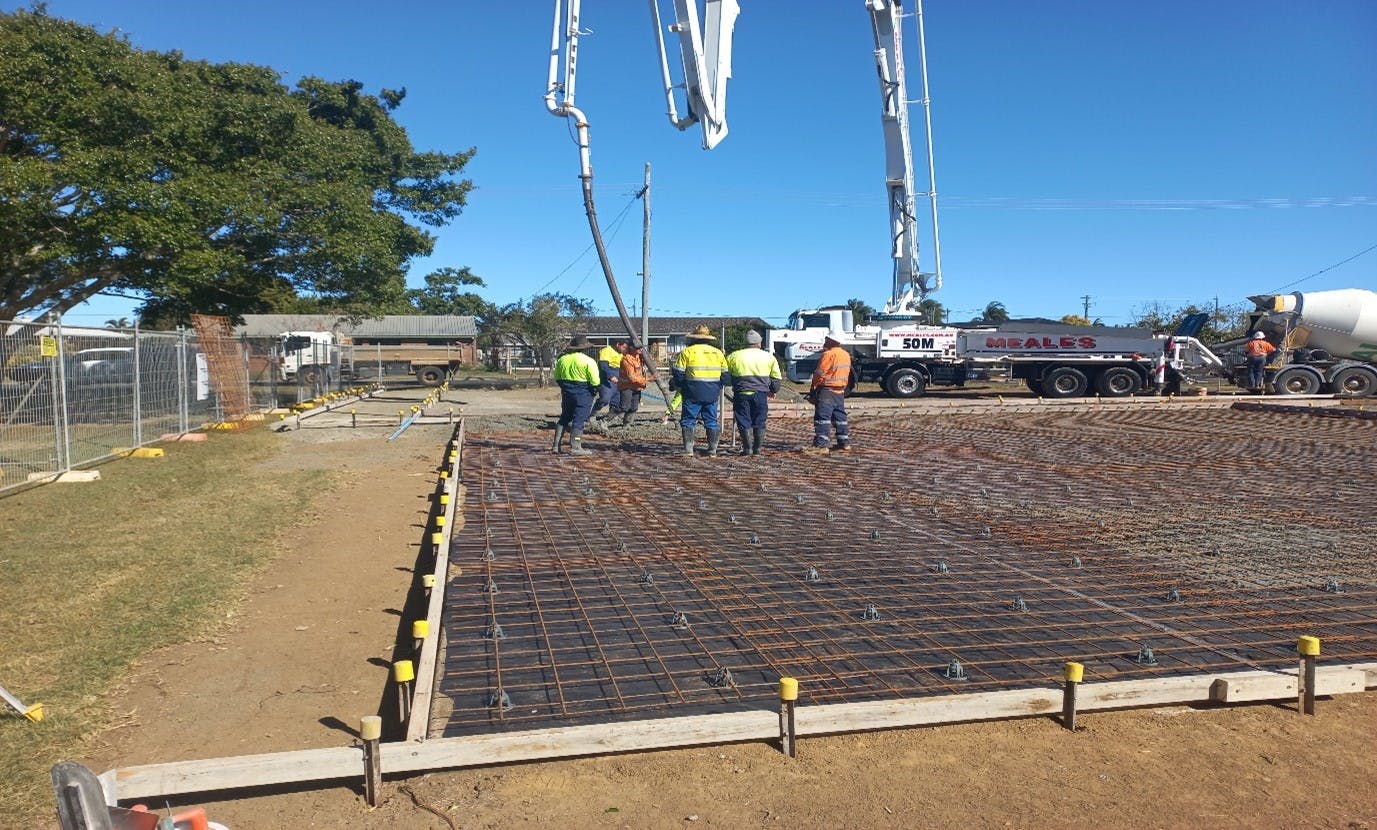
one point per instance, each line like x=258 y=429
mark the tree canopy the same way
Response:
x=545 y=323
x=861 y=311
x=444 y=294
x=1225 y=322
x=200 y=186
x=995 y=312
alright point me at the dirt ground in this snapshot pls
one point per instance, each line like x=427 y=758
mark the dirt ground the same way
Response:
x=307 y=655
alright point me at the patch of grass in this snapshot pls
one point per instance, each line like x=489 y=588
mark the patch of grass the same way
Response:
x=94 y=576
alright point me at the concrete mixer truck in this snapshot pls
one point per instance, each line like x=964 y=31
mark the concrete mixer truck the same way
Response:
x=1326 y=342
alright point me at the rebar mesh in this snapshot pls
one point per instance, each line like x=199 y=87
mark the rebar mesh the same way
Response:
x=635 y=584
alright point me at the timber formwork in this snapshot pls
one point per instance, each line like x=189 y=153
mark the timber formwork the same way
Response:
x=940 y=556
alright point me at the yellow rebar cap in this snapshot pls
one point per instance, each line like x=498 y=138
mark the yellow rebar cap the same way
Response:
x=1308 y=646
x=370 y=727
x=403 y=671
x=1073 y=672
x=420 y=629
x=788 y=688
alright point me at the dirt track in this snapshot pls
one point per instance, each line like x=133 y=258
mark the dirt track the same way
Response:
x=307 y=656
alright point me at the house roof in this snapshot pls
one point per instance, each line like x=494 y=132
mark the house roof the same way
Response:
x=391 y=325
x=664 y=326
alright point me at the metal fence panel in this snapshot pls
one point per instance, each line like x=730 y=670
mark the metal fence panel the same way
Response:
x=72 y=396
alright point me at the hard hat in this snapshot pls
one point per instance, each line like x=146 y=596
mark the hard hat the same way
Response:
x=753 y=337
x=702 y=333
x=832 y=337
x=1257 y=335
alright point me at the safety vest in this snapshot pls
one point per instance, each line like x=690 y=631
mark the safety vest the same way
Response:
x=633 y=375
x=753 y=370
x=700 y=371
x=834 y=369
x=577 y=367
x=610 y=356
x=1259 y=348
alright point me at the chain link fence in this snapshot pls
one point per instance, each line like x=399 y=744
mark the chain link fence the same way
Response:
x=72 y=396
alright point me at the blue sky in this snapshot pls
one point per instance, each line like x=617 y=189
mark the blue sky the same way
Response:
x=1136 y=152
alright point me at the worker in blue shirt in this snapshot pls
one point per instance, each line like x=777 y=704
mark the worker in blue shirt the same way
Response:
x=610 y=366
x=699 y=372
x=576 y=372
x=755 y=379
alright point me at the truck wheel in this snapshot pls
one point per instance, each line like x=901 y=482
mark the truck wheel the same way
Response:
x=1065 y=382
x=905 y=383
x=1117 y=382
x=430 y=375
x=1297 y=380
x=1355 y=382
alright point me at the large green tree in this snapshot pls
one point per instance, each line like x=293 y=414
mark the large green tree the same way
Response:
x=444 y=294
x=199 y=186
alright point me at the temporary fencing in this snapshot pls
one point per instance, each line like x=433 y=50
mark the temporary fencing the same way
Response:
x=71 y=396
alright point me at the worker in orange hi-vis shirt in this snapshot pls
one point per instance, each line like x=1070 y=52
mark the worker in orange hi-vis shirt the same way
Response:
x=1258 y=351
x=828 y=395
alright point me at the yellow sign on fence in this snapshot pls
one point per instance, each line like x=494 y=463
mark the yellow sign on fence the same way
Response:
x=47 y=346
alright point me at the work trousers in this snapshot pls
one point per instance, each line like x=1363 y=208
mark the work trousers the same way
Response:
x=1257 y=371
x=750 y=409
x=575 y=404
x=695 y=411
x=607 y=394
x=830 y=411
x=629 y=400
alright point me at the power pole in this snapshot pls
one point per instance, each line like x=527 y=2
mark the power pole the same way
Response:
x=1085 y=303
x=645 y=259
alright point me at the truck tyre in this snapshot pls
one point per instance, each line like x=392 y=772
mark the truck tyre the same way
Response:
x=1065 y=382
x=905 y=383
x=1298 y=380
x=430 y=375
x=1355 y=382
x=1118 y=382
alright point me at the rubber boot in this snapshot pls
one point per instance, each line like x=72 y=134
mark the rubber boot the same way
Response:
x=714 y=435
x=687 y=433
x=758 y=444
x=626 y=419
x=559 y=438
x=576 y=443
x=746 y=435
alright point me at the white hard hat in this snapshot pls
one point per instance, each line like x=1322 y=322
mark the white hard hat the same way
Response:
x=1257 y=335
x=833 y=336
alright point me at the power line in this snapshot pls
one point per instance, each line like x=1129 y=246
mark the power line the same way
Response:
x=1368 y=249
x=576 y=259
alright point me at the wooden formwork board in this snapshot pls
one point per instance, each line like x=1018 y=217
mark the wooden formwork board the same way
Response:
x=332 y=764
x=419 y=722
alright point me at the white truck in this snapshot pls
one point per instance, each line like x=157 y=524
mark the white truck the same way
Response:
x=1326 y=342
x=317 y=358
x=1053 y=359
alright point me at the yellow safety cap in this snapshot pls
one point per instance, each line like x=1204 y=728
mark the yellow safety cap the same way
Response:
x=428 y=580
x=437 y=538
x=403 y=671
x=440 y=521
x=1308 y=646
x=444 y=474
x=444 y=498
x=420 y=629
x=1073 y=672
x=788 y=688
x=34 y=712
x=370 y=727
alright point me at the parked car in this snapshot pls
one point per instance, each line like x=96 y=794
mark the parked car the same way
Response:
x=103 y=365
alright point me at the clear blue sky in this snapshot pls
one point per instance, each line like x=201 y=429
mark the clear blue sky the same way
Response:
x=1173 y=151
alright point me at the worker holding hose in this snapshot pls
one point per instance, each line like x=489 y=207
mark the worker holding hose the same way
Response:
x=576 y=372
x=631 y=381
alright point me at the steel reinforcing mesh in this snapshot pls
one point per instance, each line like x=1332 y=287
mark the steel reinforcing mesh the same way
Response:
x=636 y=584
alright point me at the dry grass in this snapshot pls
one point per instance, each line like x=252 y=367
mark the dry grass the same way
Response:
x=93 y=576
